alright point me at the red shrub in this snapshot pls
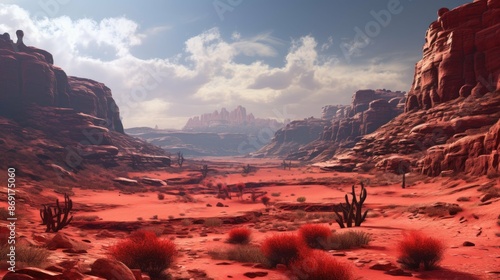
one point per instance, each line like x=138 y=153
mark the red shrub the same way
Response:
x=417 y=249
x=315 y=236
x=319 y=265
x=283 y=249
x=240 y=235
x=143 y=250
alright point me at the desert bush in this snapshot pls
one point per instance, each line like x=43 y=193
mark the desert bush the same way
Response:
x=241 y=253
x=417 y=249
x=319 y=265
x=239 y=235
x=27 y=255
x=348 y=239
x=276 y=194
x=315 y=236
x=86 y=218
x=283 y=249
x=145 y=251
x=301 y=199
x=265 y=200
x=186 y=222
x=213 y=222
x=161 y=196
x=301 y=214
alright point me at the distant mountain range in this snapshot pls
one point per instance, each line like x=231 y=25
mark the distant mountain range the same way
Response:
x=221 y=133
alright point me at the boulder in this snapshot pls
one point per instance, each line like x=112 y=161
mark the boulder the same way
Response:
x=111 y=270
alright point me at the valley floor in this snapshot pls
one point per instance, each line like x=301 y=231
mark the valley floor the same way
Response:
x=103 y=217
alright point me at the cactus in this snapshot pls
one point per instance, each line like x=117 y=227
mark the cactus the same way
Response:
x=204 y=171
x=180 y=159
x=352 y=211
x=56 y=217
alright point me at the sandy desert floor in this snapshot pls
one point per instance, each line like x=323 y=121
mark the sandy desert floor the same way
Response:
x=392 y=211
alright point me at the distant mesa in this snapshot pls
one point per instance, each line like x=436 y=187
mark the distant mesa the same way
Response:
x=221 y=133
x=236 y=120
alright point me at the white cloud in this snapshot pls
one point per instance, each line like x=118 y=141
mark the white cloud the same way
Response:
x=205 y=75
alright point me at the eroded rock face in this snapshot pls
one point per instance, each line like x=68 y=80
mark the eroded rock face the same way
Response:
x=340 y=126
x=451 y=120
x=27 y=76
x=461 y=56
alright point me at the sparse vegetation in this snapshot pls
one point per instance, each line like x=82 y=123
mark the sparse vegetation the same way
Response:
x=352 y=211
x=161 y=196
x=186 y=222
x=319 y=265
x=416 y=250
x=27 y=255
x=241 y=253
x=86 y=218
x=145 y=251
x=301 y=214
x=276 y=194
x=212 y=222
x=239 y=235
x=55 y=217
x=283 y=249
x=314 y=235
x=301 y=199
x=348 y=240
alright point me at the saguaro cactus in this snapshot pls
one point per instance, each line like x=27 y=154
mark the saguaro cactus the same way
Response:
x=56 y=217
x=352 y=211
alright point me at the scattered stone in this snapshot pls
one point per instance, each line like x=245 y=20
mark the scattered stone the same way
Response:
x=111 y=270
x=17 y=276
x=468 y=244
x=259 y=265
x=398 y=272
x=209 y=205
x=219 y=204
x=154 y=182
x=36 y=273
x=255 y=274
x=383 y=265
x=224 y=263
x=463 y=198
x=74 y=251
x=105 y=234
x=62 y=241
x=126 y=181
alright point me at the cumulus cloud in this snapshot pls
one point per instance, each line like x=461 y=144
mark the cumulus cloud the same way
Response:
x=206 y=74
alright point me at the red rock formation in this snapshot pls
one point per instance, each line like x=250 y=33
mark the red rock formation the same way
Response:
x=235 y=119
x=340 y=126
x=451 y=120
x=27 y=76
x=461 y=56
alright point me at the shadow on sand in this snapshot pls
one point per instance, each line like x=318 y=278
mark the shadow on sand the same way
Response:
x=446 y=274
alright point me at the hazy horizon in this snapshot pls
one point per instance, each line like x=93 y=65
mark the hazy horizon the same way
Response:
x=166 y=61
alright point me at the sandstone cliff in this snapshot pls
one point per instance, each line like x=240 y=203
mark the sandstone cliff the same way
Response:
x=60 y=129
x=340 y=126
x=451 y=120
x=27 y=76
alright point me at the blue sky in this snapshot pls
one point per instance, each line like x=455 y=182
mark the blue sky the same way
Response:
x=168 y=60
